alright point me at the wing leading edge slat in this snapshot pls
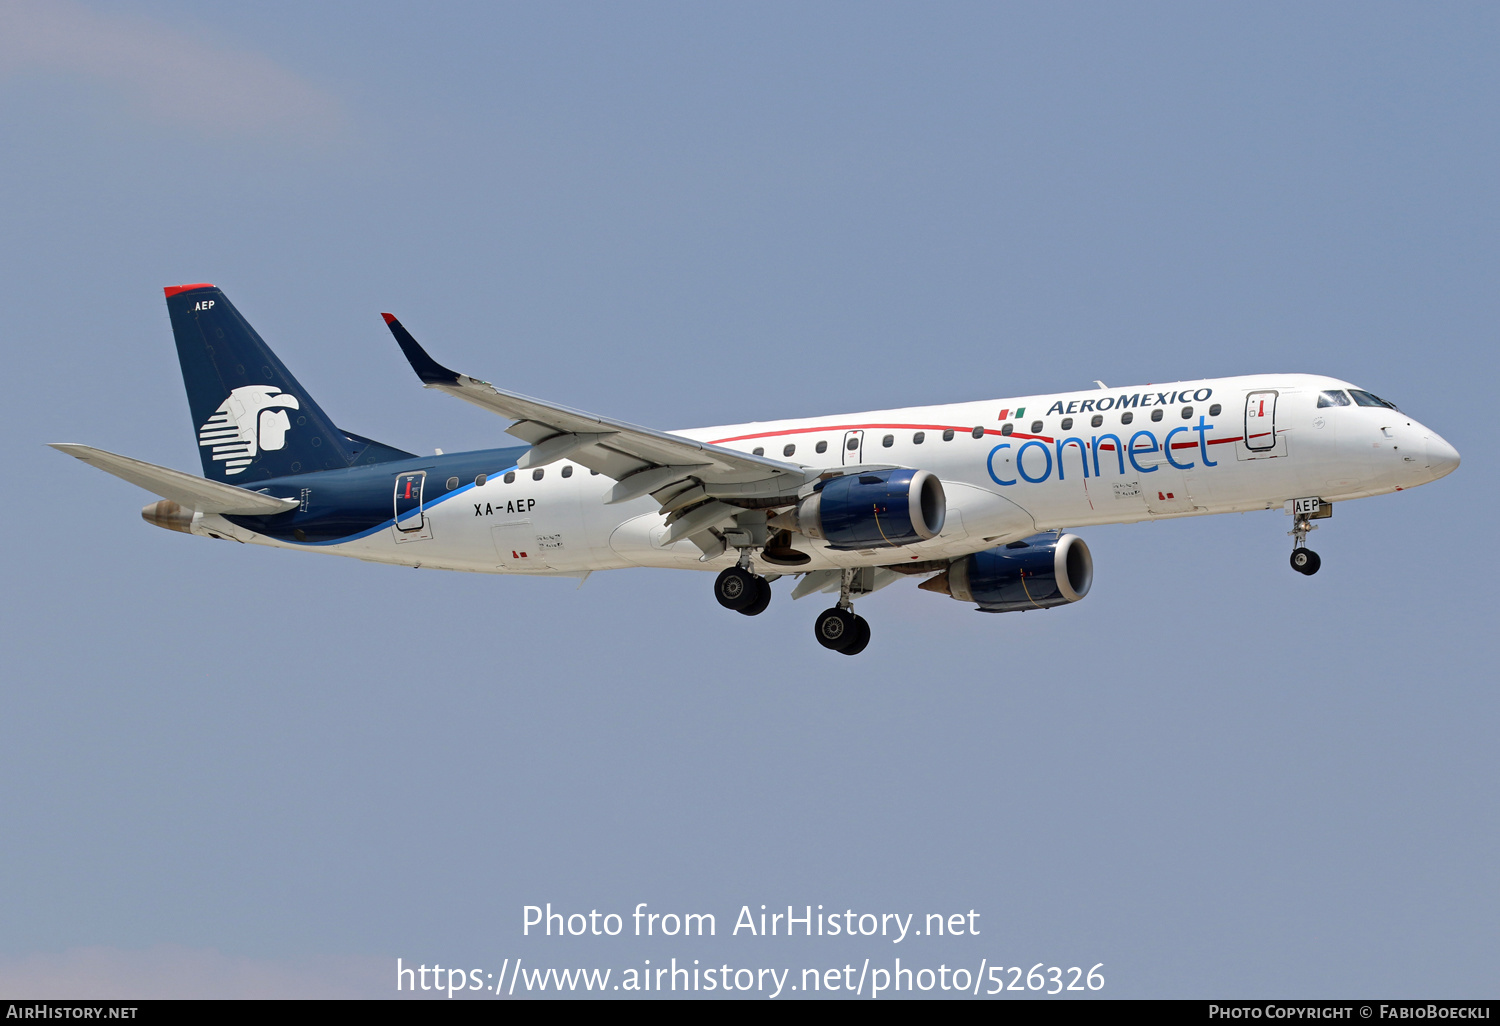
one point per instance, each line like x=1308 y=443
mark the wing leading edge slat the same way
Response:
x=622 y=449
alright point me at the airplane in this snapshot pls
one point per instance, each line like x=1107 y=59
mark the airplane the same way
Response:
x=975 y=500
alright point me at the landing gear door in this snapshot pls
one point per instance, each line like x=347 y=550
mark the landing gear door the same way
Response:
x=1260 y=421
x=854 y=448
x=411 y=523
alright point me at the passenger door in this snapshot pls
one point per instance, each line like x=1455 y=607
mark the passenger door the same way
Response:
x=411 y=522
x=1260 y=421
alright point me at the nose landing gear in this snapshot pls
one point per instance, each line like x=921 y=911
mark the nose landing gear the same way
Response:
x=1304 y=559
x=839 y=628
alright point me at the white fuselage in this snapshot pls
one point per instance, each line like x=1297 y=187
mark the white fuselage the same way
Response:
x=1038 y=463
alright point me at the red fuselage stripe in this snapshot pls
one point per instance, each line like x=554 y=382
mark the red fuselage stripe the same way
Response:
x=940 y=427
x=850 y=427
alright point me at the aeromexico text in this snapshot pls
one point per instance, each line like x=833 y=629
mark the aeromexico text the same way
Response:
x=1134 y=400
x=807 y=921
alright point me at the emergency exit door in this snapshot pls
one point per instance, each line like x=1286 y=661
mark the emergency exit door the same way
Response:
x=1260 y=420
x=854 y=448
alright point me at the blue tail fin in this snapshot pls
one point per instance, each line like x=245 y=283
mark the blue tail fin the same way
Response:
x=252 y=417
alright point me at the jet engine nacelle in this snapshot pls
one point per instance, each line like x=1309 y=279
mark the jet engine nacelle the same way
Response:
x=1042 y=571
x=877 y=510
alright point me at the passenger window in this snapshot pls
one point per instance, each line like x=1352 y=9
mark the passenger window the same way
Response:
x=888 y=441
x=480 y=480
x=948 y=435
x=852 y=444
x=1187 y=413
x=1036 y=427
x=1126 y=417
x=510 y=477
x=567 y=471
x=788 y=449
x=1215 y=410
x=1156 y=414
x=978 y=431
x=452 y=483
x=1067 y=424
x=1333 y=397
x=822 y=446
x=536 y=475
x=1098 y=420
x=1008 y=429
x=919 y=438
x=759 y=450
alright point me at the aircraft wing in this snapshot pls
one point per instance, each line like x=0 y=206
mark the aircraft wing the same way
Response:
x=642 y=459
x=188 y=491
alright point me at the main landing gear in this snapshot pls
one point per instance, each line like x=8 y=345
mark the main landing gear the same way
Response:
x=1304 y=559
x=744 y=592
x=839 y=628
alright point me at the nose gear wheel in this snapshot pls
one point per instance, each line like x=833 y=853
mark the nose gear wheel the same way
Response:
x=1305 y=561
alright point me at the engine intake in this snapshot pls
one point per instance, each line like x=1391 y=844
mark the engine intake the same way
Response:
x=878 y=510
x=1042 y=571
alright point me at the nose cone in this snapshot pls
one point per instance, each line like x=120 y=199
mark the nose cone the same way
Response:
x=1442 y=458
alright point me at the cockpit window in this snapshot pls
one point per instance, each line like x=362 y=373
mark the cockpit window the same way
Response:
x=1370 y=399
x=1333 y=397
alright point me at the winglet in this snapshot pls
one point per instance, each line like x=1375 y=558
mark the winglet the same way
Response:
x=429 y=370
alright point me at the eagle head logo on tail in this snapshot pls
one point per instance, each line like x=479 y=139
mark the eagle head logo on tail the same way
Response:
x=252 y=419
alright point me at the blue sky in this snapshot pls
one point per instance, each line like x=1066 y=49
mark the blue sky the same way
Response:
x=229 y=770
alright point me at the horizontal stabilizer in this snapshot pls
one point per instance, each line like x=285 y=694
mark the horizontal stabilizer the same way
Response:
x=188 y=491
